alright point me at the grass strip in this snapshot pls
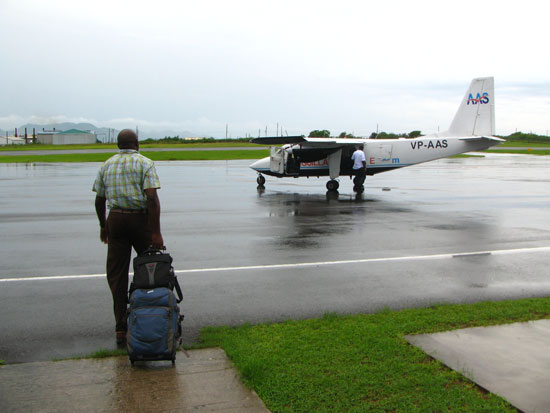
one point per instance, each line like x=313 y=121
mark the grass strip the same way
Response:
x=463 y=155
x=522 y=151
x=362 y=362
x=113 y=146
x=525 y=144
x=156 y=156
x=99 y=354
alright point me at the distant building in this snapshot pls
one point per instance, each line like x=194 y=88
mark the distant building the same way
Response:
x=68 y=137
x=11 y=140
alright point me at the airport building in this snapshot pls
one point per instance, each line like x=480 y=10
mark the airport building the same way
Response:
x=71 y=136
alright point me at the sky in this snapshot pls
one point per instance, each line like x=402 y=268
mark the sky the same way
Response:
x=248 y=66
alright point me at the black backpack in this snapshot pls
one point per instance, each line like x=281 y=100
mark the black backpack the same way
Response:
x=152 y=269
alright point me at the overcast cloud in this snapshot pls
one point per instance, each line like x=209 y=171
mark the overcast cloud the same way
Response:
x=199 y=65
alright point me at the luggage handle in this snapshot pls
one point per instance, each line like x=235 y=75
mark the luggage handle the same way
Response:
x=154 y=251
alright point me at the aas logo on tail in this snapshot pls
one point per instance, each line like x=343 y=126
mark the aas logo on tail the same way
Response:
x=481 y=99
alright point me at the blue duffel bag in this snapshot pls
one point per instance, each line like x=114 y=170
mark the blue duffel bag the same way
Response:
x=154 y=325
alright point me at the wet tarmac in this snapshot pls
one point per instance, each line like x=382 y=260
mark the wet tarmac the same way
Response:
x=289 y=251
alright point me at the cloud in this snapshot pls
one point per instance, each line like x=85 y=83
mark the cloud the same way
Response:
x=199 y=66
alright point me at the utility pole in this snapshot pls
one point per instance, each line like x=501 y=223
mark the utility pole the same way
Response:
x=226 y=130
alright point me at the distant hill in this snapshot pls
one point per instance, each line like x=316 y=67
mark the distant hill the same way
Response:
x=103 y=134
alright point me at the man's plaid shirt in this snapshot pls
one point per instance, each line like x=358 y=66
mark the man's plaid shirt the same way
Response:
x=123 y=179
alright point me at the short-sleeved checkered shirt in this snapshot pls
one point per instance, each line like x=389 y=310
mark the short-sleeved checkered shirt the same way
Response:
x=123 y=179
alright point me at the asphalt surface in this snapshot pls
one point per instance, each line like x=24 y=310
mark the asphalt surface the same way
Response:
x=290 y=251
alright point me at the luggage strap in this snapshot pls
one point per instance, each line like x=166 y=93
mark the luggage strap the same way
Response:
x=178 y=290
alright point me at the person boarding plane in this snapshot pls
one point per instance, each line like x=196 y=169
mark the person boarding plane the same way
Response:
x=472 y=129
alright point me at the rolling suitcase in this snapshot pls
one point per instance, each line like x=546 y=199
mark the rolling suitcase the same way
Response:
x=154 y=319
x=154 y=325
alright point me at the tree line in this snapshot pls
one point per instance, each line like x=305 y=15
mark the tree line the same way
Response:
x=516 y=136
x=324 y=133
x=381 y=135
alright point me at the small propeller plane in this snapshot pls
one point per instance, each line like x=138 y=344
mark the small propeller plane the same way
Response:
x=472 y=129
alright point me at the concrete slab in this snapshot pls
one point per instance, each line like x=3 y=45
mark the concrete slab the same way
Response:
x=206 y=381
x=512 y=360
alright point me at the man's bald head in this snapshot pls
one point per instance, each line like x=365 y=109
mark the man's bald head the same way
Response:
x=127 y=139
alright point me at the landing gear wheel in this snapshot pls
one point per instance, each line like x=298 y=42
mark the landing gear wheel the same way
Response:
x=260 y=180
x=332 y=185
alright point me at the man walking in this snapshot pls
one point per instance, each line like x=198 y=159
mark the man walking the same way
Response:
x=359 y=169
x=127 y=182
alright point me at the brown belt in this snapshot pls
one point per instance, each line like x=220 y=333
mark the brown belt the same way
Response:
x=129 y=211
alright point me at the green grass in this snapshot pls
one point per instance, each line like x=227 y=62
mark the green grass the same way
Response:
x=2 y=362
x=156 y=156
x=463 y=155
x=526 y=144
x=521 y=151
x=99 y=354
x=104 y=353
x=363 y=363
x=113 y=146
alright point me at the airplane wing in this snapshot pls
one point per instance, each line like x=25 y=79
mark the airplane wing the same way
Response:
x=278 y=140
x=321 y=142
x=483 y=138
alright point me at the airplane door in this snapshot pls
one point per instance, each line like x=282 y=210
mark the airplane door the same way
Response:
x=277 y=160
x=380 y=152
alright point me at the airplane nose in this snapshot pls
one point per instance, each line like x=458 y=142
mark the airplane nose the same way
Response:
x=261 y=164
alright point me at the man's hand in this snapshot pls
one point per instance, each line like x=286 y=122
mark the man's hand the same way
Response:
x=104 y=235
x=156 y=241
x=153 y=208
x=100 y=209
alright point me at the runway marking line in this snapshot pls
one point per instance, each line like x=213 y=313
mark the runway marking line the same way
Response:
x=304 y=264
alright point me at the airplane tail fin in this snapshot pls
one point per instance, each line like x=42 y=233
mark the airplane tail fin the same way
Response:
x=476 y=113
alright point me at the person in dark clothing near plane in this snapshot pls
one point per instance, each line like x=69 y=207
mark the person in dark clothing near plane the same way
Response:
x=359 y=168
x=127 y=182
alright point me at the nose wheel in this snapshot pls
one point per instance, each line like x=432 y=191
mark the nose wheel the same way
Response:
x=332 y=185
x=260 y=180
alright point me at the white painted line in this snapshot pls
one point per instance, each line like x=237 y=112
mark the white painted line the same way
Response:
x=305 y=264
x=54 y=277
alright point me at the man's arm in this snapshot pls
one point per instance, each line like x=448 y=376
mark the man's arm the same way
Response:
x=153 y=210
x=100 y=210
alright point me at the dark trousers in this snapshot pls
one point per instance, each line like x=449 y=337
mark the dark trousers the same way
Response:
x=360 y=175
x=124 y=232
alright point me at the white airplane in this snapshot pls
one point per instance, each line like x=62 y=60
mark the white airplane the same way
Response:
x=472 y=129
